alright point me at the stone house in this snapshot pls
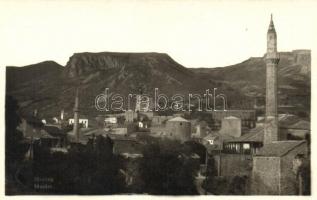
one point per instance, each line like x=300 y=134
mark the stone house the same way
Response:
x=238 y=152
x=178 y=128
x=248 y=117
x=272 y=172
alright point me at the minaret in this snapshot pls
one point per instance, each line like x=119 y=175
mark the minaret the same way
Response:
x=76 y=117
x=272 y=60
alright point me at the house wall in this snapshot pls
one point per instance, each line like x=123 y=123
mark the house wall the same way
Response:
x=266 y=174
x=158 y=130
x=178 y=130
x=294 y=132
x=200 y=131
x=110 y=120
x=288 y=178
x=120 y=131
x=148 y=114
x=216 y=143
x=274 y=175
x=247 y=117
x=159 y=120
x=231 y=126
x=84 y=122
x=233 y=164
x=130 y=116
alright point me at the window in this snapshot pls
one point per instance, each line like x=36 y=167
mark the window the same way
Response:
x=246 y=146
x=211 y=142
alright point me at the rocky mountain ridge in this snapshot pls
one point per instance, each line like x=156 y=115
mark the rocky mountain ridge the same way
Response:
x=50 y=87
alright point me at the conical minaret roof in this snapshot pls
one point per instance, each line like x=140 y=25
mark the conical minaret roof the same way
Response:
x=271 y=26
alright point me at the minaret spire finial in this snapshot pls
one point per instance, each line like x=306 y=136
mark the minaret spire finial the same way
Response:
x=271 y=26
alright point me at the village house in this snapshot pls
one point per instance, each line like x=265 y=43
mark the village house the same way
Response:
x=272 y=172
x=291 y=127
x=238 y=152
x=82 y=122
x=200 y=129
x=178 y=128
x=247 y=117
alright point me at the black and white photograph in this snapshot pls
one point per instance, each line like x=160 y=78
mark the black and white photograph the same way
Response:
x=164 y=98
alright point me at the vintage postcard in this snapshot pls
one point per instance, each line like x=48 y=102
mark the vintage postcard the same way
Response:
x=164 y=98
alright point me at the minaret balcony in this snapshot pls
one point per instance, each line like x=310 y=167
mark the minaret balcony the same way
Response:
x=272 y=55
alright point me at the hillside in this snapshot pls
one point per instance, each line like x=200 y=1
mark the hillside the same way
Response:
x=50 y=87
x=35 y=85
x=294 y=78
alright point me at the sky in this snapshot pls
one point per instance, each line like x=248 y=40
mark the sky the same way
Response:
x=197 y=33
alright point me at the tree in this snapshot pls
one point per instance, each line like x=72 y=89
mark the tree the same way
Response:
x=301 y=168
x=14 y=150
x=237 y=185
x=85 y=169
x=165 y=172
x=197 y=148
